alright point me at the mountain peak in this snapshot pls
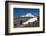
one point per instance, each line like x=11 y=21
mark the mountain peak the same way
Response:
x=28 y=15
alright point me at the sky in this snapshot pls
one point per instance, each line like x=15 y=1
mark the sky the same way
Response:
x=24 y=11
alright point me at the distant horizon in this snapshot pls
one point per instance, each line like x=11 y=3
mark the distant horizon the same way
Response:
x=24 y=11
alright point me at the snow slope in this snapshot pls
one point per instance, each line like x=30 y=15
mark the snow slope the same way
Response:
x=31 y=19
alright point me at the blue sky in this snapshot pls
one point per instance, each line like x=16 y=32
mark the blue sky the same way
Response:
x=23 y=11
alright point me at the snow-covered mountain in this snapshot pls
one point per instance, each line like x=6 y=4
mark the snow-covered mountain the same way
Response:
x=29 y=20
x=28 y=15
